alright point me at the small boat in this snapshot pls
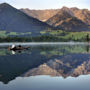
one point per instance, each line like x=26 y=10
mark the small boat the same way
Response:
x=14 y=48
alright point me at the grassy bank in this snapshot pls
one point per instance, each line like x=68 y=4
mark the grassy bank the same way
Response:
x=46 y=36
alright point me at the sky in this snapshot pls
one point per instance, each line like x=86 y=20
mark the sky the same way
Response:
x=48 y=4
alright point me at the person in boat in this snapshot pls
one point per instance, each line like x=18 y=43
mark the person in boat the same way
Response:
x=13 y=47
x=19 y=47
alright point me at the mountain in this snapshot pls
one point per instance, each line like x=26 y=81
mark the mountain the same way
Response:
x=82 y=14
x=16 y=65
x=65 y=19
x=71 y=19
x=22 y=21
x=42 y=15
x=64 y=67
x=14 y=20
x=52 y=60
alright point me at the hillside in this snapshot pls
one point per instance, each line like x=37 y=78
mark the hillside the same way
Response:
x=65 y=67
x=13 y=20
x=66 y=20
x=69 y=19
x=82 y=14
x=42 y=15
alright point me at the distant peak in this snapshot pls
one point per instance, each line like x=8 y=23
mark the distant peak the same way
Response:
x=74 y=8
x=64 y=8
x=5 y=5
x=68 y=10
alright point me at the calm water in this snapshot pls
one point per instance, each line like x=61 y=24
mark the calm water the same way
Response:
x=46 y=67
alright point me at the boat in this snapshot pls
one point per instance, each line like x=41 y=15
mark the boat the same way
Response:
x=19 y=47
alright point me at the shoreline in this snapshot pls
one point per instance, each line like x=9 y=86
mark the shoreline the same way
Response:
x=45 y=43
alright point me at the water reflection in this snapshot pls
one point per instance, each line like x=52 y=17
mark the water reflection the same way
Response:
x=52 y=60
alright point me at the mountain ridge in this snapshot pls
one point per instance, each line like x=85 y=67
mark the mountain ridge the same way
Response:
x=65 y=19
x=12 y=19
x=42 y=15
x=76 y=12
x=59 y=68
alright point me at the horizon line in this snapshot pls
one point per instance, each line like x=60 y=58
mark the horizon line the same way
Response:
x=45 y=8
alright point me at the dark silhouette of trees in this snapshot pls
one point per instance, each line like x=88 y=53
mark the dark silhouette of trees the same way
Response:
x=87 y=37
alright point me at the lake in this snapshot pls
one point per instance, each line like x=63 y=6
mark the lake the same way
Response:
x=60 y=66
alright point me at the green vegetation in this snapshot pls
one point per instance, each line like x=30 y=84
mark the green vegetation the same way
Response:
x=43 y=32
x=58 y=32
x=53 y=50
x=64 y=50
x=12 y=33
x=3 y=52
x=4 y=34
x=68 y=36
x=27 y=33
x=45 y=36
x=75 y=36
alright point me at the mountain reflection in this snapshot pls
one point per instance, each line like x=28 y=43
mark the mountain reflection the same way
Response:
x=53 y=60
